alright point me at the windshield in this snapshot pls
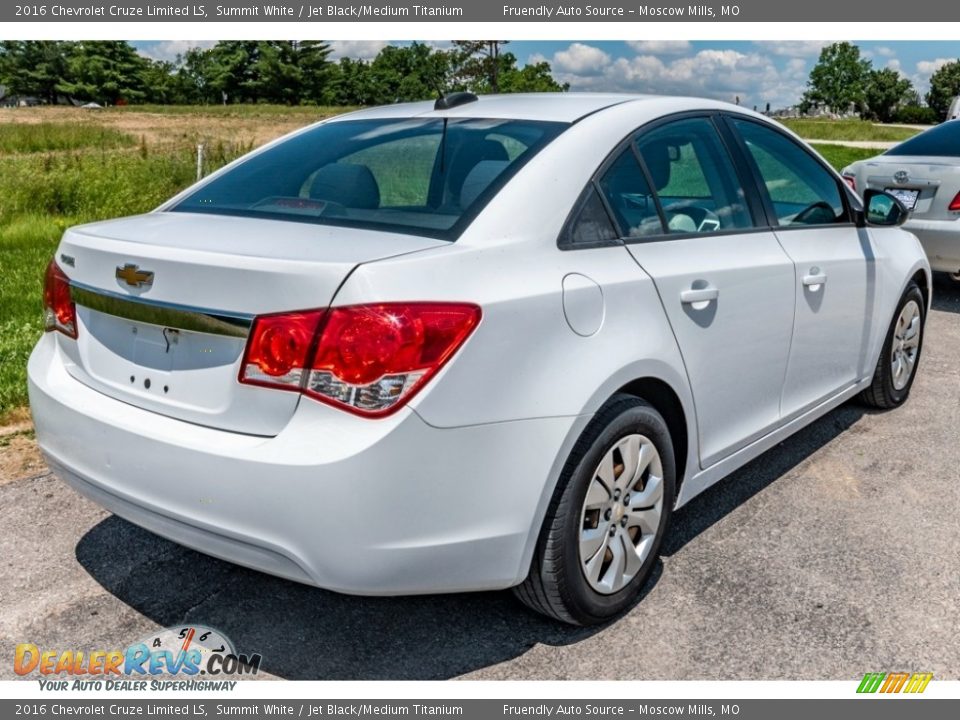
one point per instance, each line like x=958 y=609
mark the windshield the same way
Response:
x=942 y=140
x=426 y=177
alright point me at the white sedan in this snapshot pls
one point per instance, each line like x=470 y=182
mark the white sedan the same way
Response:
x=473 y=344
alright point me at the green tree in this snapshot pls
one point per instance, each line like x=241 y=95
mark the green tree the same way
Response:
x=195 y=69
x=275 y=76
x=351 y=83
x=105 y=71
x=316 y=70
x=886 y=91
x=408 y=73
x=33 y=67
x=479 y=63
x=944 y=86
x=838 y=80
x=230 y=70
x=533 y=77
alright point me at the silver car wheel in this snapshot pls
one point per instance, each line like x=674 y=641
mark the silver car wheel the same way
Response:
x=621 y=514
x=906 y=345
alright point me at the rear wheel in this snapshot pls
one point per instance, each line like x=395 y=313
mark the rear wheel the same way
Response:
x=603 y=531
x=900 y=355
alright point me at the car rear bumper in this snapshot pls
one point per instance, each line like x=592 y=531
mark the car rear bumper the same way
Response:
x=940 y=240
x=390 y=506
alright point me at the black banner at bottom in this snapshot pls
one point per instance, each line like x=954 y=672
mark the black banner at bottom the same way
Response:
x=871 y=707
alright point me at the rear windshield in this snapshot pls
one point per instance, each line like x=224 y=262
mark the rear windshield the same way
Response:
x=941 y=140
x=426 y=177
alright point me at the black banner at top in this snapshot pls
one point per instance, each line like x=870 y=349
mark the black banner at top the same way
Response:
x=476 y=11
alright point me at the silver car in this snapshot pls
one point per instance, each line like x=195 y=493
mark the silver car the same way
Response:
x=924 y=174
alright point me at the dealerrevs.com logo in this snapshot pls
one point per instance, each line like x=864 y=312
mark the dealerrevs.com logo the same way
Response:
x=185 y=652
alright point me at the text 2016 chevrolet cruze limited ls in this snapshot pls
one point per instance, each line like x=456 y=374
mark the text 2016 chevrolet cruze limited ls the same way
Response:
x=471 y=344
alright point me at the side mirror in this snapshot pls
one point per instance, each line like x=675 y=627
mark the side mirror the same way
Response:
x=883 y=209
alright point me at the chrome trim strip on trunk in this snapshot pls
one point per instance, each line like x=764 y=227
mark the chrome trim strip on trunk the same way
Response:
x=163 y=314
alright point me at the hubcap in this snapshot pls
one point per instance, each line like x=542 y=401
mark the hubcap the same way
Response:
x=621 y=514
x=906 y=345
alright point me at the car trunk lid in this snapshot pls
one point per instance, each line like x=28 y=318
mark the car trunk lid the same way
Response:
x=926 y=186
x=165 y=302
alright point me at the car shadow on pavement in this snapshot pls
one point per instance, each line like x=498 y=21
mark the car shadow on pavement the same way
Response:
x=736 y=489
x=306 y=633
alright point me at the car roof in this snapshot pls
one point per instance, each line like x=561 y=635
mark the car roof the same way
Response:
x=558 y=107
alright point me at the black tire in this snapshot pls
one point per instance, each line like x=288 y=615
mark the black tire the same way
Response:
x=882 y=392
x=556 y=585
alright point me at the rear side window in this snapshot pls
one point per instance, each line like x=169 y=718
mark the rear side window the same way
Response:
x=425 y=177
x=942 y=140
x=802 y=191
x=694 y=178
x=630 y=198
x=591 y=226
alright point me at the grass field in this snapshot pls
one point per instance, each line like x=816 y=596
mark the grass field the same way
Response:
x=63 y=166
x=848 y=130
x=842 y=155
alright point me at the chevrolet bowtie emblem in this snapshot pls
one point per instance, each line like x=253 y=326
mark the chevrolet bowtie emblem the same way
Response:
x=133 y=276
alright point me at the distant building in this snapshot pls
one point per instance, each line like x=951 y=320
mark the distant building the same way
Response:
x=7 y=100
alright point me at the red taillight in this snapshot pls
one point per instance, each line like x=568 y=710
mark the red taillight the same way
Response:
x=369 y=359
x=59 y=312
x=851 y=181
x=278 y=350
x=955 y=204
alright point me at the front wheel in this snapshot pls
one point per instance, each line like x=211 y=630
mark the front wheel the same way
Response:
x=900 y=355
x=609 y=514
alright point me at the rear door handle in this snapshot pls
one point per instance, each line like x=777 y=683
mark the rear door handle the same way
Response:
x=699 y=295
x=815 y=278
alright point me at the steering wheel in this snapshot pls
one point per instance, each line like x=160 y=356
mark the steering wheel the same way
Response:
x=691 y=218
x=821 y=206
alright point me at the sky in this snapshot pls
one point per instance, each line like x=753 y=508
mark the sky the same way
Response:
x=756 y=72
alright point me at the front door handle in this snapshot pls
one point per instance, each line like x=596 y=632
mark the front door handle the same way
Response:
x=815 y=278
x=699 y=295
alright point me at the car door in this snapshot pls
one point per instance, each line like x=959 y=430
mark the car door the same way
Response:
x=725 y=283
x=836 y=277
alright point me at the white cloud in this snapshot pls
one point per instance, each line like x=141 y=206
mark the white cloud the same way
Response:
x=885 y=51
x=168 y=50
x=793 y=48
x=356 y=49
x=720 y=74
x=659 y=47
x=580 y=59
x=929 y=67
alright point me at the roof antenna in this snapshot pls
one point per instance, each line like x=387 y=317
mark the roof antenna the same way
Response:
x=454 y=99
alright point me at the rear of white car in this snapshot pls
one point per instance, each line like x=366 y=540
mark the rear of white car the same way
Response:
x=924 y=174
x=240 y=383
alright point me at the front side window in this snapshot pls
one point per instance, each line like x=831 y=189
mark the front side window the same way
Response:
x=802 y=191
x=694 y=178
x=426 y=177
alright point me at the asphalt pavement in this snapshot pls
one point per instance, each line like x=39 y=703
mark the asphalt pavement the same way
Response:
x=835 y=554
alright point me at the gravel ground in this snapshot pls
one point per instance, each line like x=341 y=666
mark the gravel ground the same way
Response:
x=834 y=554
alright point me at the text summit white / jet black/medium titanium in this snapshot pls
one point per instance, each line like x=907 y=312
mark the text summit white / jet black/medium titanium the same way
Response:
x=473 y=344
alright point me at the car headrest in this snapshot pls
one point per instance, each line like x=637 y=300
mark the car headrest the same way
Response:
x=349 y=185
x=656 y=156
x=467 y=157
x=479 y=179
